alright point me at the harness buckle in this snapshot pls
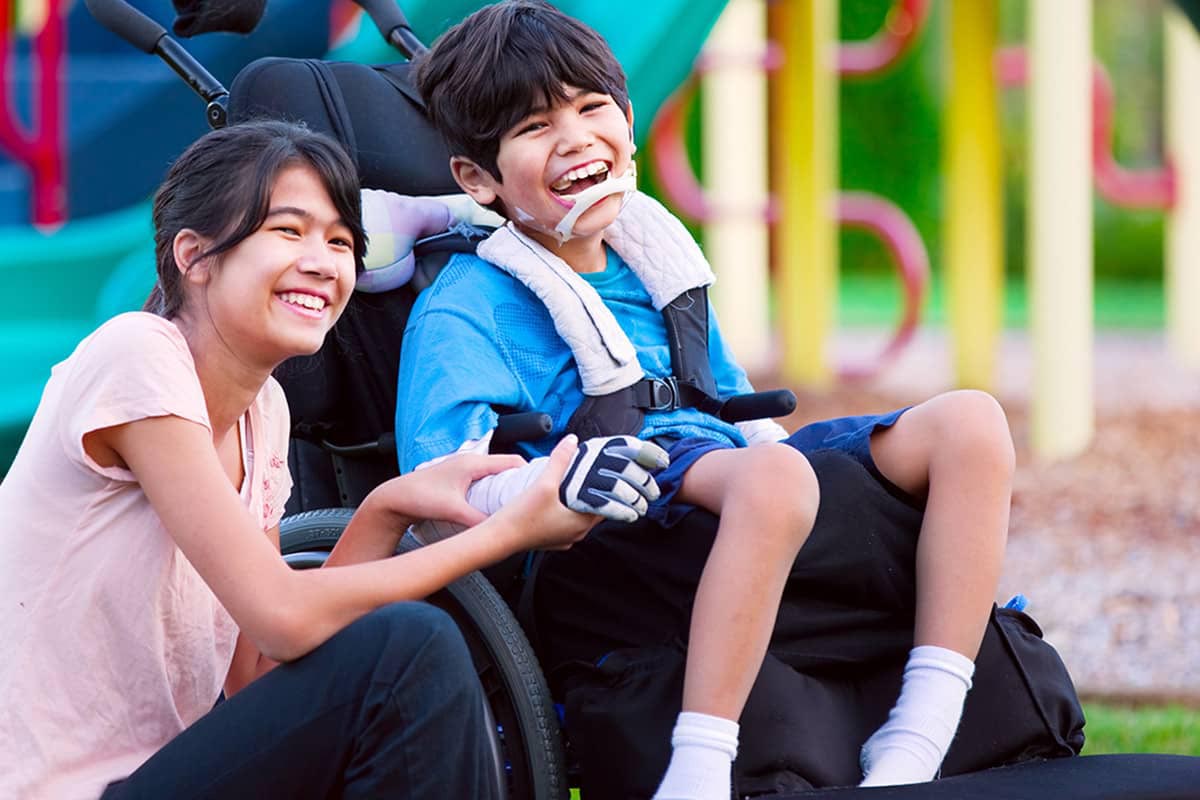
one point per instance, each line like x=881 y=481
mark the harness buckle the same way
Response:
x=664 y=394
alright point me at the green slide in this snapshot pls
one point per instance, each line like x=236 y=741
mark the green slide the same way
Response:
x=69 y=281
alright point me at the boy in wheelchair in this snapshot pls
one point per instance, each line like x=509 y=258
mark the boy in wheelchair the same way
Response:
x=575 y=307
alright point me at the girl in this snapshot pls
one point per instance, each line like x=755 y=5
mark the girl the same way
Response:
x=140 y=520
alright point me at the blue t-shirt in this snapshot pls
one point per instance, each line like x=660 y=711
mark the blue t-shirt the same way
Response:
x=479 y=343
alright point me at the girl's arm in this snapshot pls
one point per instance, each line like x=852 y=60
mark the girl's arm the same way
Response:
x=248 y=663
x=287 y=613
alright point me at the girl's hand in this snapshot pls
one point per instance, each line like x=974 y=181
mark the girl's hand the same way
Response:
x=538 y=520
x=439 y=491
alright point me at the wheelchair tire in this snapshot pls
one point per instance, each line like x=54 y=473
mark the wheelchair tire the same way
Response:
x=526 y=737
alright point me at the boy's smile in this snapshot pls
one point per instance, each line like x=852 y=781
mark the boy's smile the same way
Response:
x=576 y=179
x=548 y=158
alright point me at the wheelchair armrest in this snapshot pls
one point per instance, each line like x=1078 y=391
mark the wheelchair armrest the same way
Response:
x=757 y=405
x=524 y=427
x=510 y=428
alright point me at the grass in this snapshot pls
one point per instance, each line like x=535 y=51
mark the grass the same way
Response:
x=875 y=300
x=1149 y=729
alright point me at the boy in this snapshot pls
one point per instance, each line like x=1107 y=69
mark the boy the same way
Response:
x=560 y=310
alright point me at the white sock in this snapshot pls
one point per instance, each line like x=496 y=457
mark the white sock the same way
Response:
x=910 y=746
x=703 y=748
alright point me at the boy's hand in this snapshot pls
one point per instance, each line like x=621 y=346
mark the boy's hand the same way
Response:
x=610 y=477
x=536 y=518
x=439 y=491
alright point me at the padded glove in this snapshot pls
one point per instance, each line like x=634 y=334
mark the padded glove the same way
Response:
x=610 y=477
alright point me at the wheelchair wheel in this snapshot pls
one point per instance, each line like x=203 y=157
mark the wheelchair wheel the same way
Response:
x=526 y=741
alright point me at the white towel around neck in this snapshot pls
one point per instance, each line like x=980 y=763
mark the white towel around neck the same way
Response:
x=654 y=244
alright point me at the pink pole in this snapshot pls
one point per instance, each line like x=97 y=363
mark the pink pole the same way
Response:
x=901 y=27
x=40 y=147
x=900 y=237
x=1129 y=188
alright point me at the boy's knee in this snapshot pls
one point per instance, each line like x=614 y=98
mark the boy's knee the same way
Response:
x=978 y=426
x=780 y=477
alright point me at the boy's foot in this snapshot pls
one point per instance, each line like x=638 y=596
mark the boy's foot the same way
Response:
x=703 y=747
x=910 y=746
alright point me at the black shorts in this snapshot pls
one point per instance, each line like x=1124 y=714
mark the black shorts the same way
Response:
x=849 y=598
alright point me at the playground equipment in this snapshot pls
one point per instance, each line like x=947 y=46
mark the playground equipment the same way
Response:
x=36 y=145
x=1071 y=109
x=735 y=207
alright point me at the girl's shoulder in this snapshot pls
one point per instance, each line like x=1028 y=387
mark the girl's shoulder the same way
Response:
x=134 y=328
x=130 y=336
x=129 y=354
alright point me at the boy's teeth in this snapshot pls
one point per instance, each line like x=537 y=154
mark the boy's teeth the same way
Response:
x=578 y=174
x=305 y=300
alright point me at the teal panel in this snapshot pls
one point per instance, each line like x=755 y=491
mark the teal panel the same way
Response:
x=655 y=42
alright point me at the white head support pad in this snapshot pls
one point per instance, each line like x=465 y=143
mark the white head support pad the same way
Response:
x=626 y=185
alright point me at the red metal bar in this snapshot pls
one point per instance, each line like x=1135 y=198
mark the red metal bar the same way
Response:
x=902 y=25
x=874 y=214
x=39 y=145
x=1129 y=188
x=669 y=160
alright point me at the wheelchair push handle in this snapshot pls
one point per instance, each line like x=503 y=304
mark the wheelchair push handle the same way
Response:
x=758 y=405
x=394 y=26
x=148 y=36
x=127 y=22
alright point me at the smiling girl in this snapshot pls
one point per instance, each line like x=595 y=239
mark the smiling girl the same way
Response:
x=142 y=575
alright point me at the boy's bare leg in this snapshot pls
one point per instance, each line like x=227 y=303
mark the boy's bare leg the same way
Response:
x=955 y=449
x=767 y=499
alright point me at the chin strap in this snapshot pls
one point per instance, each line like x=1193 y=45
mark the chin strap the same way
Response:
x=626 y=185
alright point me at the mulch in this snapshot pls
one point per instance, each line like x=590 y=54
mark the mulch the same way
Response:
x=1105 y=545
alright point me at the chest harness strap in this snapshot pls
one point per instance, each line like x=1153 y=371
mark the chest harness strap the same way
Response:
x=691 y=384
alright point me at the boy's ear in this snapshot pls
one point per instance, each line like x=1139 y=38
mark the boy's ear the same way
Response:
x=188 y=247
x=474 y=180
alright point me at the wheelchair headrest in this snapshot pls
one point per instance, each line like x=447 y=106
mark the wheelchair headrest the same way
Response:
x=374 y=111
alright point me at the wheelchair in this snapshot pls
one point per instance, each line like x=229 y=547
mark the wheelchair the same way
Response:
x=343 y=400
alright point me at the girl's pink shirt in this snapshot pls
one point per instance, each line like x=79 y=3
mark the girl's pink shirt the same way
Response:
x=112 y=643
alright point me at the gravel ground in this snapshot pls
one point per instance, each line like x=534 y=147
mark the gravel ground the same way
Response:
x=1106 y=545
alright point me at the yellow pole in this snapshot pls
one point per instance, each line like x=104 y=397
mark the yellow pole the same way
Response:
x=1060 y=226
x=805 y=121
x=735 y=121
x=974 y=243
x=1183 y=223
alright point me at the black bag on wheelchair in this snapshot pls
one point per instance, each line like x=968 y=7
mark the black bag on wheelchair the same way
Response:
x=795 y=734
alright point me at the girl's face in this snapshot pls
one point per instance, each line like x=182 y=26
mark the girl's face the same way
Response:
x=279 y=291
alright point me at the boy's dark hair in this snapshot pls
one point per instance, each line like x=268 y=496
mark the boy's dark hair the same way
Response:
x=221 y=187
x=488 y=72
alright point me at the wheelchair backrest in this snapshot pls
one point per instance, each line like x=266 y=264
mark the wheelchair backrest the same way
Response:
x=346 y=392
x=374 y=111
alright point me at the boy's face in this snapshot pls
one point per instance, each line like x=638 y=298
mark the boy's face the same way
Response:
x=549 y=156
